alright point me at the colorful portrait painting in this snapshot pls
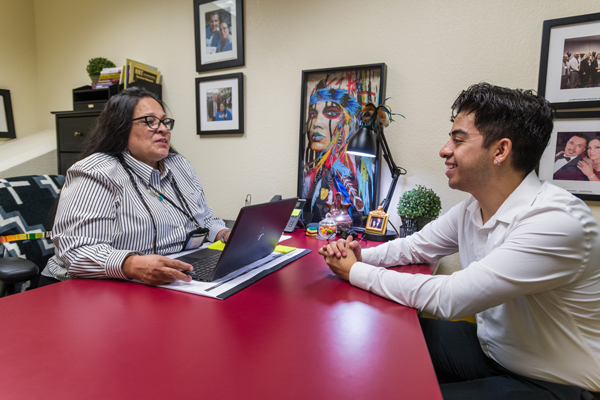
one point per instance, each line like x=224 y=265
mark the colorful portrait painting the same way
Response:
x=332 y=102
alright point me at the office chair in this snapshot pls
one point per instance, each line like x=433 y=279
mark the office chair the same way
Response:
x=25 y=206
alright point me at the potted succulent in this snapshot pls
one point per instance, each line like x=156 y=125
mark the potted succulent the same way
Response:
x=418 y=207
x=95 y=65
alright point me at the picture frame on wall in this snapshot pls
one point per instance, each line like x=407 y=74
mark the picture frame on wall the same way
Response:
x=330 y=114
x=573 y=82
x=220 y=104
x=219 y=34
x=7 y=123
x=572 y=158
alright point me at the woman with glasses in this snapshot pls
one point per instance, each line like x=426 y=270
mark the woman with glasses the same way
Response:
x=129 y=201
x=224 y=41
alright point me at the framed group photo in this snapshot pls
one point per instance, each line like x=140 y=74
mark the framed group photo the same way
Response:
x=7 y=123
x=219 y=34
x=572 y=158
x=331 y=108
x=220 y=104
x=570 y=62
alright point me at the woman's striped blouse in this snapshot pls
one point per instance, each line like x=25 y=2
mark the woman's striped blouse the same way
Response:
x=101 y=219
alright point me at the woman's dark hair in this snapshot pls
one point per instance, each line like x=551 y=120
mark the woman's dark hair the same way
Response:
x=110 y=133
x=524 y=117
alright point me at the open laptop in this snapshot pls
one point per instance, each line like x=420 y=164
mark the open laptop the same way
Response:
x=255 y=234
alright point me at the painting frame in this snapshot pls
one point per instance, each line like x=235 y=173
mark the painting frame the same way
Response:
x=568 y=176
x=324 y=168
x=230 y=91
x=7 y=122
x=380 y=218
x=209 y=56
x=556 y=36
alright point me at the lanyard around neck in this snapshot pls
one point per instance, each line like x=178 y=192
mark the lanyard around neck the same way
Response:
x=161 y=196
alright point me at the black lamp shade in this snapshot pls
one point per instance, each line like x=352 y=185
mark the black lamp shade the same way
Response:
x=363 y=143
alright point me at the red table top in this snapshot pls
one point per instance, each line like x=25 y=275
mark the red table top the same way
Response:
x=299 y=333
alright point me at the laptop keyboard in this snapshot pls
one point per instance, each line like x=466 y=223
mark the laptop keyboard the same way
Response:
x=204 y=268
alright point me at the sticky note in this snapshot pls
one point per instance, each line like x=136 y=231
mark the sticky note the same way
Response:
x=284 y=249
x=295 y=213
x=217 y=246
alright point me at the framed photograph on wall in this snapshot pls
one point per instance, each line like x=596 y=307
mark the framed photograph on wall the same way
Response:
x=570 y=62
x=219 y=34
x=220 y=104
x=572 y=158
x=7 y=123
x=331 y=107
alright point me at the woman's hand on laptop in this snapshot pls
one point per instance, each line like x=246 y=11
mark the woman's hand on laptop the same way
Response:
x=155 y=270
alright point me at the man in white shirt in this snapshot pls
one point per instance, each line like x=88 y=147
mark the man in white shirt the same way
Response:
x=530 y=254
x=574 y=70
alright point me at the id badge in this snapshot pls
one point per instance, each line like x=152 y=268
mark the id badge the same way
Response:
x=195 y=239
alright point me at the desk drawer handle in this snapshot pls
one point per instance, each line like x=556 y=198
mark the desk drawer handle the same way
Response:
x=90 y=106
x=78 y=134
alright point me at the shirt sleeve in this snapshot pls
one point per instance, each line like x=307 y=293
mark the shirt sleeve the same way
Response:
x=85 y=224
x=435 y=240
x=546 y=249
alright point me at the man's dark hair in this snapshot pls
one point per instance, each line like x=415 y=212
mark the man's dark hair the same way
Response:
x=581 y=135
x=524 y=117
x=110 y=133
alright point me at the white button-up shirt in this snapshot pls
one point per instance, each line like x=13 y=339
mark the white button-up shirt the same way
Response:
x=531 y=274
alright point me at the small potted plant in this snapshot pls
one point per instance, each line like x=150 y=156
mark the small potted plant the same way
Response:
x=418 y=207
x=95 y=65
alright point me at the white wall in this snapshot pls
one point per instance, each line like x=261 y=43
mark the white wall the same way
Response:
x=433 y=50
x=18 y=63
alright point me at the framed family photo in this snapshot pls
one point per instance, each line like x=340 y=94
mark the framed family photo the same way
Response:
x=219 y=34
x=377 y=222
x=331 y=108
x=570 y=62
x=572 y=158
x=220 y=104
x=7 y=123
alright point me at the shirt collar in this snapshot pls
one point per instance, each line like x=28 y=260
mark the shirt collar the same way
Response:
x=144 y=171
x=521 y=198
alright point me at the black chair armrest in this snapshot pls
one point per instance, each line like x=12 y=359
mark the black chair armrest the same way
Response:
x=15 y=269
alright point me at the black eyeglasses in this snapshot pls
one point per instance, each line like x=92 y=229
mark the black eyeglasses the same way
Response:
x=154 y=122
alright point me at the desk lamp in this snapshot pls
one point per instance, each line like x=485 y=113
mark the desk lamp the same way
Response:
x=364 y=143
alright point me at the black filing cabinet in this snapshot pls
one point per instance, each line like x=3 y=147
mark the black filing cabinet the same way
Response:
x=72 y=128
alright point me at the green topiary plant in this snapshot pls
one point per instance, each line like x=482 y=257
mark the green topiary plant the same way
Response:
x=420 y=202
x=417 y=207
x=95 y=65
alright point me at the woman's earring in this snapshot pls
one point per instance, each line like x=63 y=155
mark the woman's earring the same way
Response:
x=497 y=163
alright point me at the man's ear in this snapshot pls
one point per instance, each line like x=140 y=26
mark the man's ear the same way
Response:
x=502 y=150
